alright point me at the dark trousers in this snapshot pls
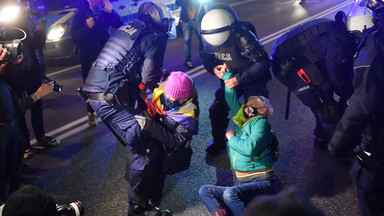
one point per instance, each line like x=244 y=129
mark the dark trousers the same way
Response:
x=370 y=190
x=146 y=178
x=11 y=160
x=144 y=170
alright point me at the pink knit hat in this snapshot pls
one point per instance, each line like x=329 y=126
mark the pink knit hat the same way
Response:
x=178 y=85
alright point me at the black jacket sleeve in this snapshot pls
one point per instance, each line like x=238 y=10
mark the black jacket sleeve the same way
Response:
x=170 y=133
x=254 y=50
x=364 y=115
x=338 y=63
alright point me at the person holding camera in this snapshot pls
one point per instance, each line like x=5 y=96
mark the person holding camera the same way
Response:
x=12 y=145
x=90 y=31
x=30 y=200
x=26 y=78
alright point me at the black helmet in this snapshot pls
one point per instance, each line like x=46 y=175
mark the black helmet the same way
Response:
x=377 y=7
x=158 y=15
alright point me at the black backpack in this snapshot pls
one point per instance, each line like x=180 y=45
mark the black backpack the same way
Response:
x=274 y=145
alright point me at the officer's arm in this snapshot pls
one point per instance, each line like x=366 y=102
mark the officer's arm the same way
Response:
x=366 y=101
x=171 y=134
x=339 y=62
x=153 y=60
x=209 y=60
x=252 y=49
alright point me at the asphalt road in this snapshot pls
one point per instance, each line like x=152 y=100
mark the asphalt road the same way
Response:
x=89 y=165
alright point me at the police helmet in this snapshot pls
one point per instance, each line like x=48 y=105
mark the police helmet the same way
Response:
x=160 y=16
x=223 y=6
x=377 y=7
x=359 y=17
x=216 y=26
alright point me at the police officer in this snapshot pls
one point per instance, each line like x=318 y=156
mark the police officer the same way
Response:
x=314 y=61
x=362 y=126
x=231 y=44
x=130 y=62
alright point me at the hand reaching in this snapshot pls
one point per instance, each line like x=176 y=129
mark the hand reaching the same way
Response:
x=230 y=134
x=145 y=123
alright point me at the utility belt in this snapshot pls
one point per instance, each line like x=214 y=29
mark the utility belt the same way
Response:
x=126 y=95
x=96 y=96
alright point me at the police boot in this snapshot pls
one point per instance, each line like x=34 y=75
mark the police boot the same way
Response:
x=156 y=211
x=135 y=210
x=218 y=133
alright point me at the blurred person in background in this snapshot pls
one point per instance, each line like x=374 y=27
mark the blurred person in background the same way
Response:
x=90 y=31
x=191 y=13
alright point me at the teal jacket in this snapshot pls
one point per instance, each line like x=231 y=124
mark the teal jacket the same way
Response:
x=249 y=148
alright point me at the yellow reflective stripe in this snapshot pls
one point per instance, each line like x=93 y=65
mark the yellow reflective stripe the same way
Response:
x=233 y=161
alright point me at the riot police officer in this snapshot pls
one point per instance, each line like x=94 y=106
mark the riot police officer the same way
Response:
x=130 y=62
x=231 y=44
x=361 y=128
x=314 y=61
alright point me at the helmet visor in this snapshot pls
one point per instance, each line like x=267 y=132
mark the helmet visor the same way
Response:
x=359 y=17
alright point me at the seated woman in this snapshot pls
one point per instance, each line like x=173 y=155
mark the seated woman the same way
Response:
x=250 y=155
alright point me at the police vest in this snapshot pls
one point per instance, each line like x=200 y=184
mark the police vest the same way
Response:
x=117 y=61
x=240 y=51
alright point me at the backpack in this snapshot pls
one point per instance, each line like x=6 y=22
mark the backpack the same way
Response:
x=274 y=145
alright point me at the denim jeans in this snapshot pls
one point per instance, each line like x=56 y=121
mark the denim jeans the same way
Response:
x=189 y=28
x=235 y=197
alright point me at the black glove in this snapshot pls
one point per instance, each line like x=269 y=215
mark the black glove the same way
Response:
x=145 y=123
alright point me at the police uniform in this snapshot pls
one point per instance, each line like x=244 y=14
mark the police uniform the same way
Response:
x=314 y=61
x=133 y=56
x=362 y=125
x=247 y=59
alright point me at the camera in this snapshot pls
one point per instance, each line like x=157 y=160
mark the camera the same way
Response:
x=13 y=49
x=56 y=86
x=72 y=209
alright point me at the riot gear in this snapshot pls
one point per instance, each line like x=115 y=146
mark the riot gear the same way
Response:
x=301 y=61
x=216 y=26
x=160 y=16
x=359 y=17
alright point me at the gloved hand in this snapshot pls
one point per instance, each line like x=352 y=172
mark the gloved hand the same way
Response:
x=145 y=123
